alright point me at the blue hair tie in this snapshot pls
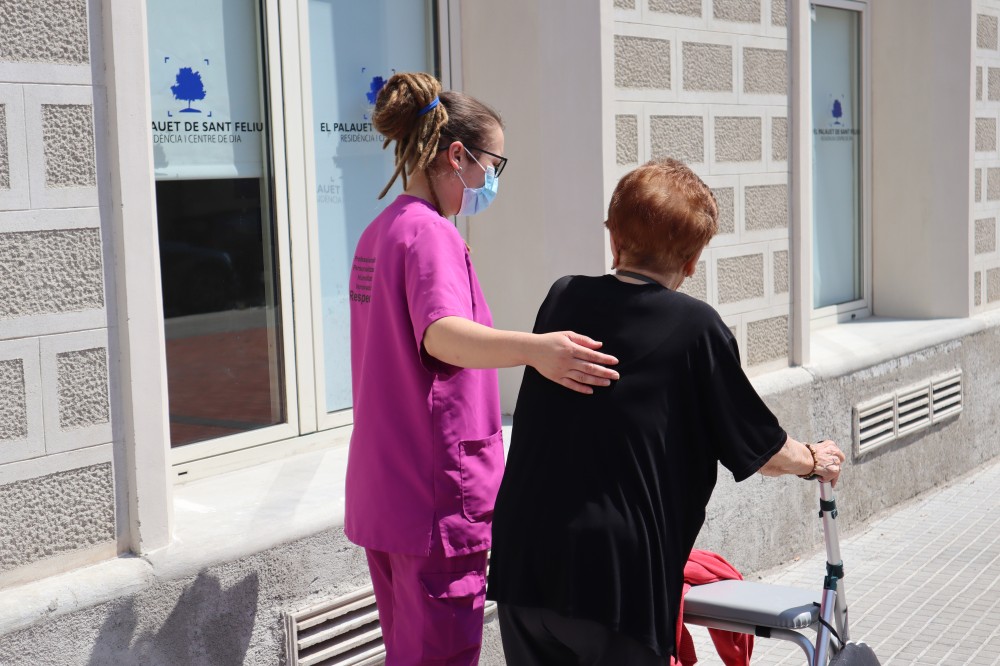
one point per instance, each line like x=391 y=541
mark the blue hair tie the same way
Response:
x=428 y=107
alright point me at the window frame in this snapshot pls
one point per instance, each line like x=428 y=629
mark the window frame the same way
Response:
x=862 y=307
x=442 y=21
x=294 y=210
x=278 y=216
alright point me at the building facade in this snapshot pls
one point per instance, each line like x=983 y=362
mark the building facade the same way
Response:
x=181 y=186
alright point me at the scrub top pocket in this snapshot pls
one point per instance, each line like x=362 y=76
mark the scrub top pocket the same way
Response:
x=481 y=462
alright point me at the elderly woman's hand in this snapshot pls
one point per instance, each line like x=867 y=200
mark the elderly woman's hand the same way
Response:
x=822 y=460
x=828 y=458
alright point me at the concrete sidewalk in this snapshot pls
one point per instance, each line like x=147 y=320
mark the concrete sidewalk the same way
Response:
x=922 y=584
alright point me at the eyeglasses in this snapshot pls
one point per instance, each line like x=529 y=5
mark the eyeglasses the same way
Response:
x=499 y=167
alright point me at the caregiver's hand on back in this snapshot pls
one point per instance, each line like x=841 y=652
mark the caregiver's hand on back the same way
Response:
x=564 y=357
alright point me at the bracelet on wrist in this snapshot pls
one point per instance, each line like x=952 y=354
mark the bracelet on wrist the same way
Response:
x=812 y=475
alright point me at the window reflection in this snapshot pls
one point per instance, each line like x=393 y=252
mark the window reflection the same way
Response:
x=220 y=308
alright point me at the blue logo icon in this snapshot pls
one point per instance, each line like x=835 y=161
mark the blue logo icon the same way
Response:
x=189 y=88
x=837 y=112
x=373 y=89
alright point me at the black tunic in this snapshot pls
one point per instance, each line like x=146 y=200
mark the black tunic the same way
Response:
x=604 y=495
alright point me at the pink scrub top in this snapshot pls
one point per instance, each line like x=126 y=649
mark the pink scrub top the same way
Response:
x=426 y=454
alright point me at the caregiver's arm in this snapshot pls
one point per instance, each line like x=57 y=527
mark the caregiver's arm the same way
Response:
x=565 y=357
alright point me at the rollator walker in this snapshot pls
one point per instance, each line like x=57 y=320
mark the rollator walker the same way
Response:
x=782 y=612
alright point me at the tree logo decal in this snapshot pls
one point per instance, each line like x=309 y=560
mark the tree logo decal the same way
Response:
x=837 y=111
x=189 y=88
x=373 y=89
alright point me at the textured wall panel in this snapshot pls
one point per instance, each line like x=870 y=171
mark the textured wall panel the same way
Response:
x=55 y=514
x=708 y=67
x=986 y=134
x=680 y=137
x=767 y=340
x=83 y=388
x=642 y=62
x=725 y=197
x=625 y=4
x=740 y=11
x=779 y=139
x=979 y=84
x=49 y=31
x=781 y=272
x=765 y=207
x=68 y=136
x=992 y=84
x=993 y=285
x=738 y=139
x=13 y=401
x=4 y=158
x=986 y=31
x=993 y=184
x=765 y=71
x=986 y=235
x=979 y=184
x=46 y=272
x=977 y=288
x=740 y=278
x=683 y=7
x=626 y=139
x=697 y=284
x=779 y=13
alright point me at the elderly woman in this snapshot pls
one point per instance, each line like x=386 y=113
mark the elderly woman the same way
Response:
x=604 y=495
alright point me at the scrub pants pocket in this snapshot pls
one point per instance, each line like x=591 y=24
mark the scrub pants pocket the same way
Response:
x=431 y=608
x=453 y=613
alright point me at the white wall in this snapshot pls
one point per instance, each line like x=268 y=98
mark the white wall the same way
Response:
x=540 y=66
x=922 y=189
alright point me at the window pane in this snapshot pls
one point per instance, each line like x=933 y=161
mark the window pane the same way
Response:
x=355 y=47
x=837 y=153
x=216 y=230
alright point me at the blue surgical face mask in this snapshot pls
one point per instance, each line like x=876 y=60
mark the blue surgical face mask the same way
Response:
x=478 y=199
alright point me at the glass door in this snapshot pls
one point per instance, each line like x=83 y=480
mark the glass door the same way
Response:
x=354 y=47
x=217 y=215
x=839 y=158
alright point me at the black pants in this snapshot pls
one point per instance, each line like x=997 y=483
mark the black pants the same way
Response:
x=541 y=637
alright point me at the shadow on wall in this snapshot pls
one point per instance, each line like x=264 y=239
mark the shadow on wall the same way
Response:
x=208 y=625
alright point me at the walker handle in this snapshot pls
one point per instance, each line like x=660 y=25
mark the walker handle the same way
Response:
x=834 y=562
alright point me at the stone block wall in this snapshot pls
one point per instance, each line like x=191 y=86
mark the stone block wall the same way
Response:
x=986 y=160
x=705 y=81
x=57 y=501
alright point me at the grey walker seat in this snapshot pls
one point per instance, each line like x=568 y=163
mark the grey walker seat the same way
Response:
x=782 y=612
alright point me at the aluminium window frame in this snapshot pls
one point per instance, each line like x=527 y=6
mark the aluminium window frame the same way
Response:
x=805 y=317
x=277 y=215
x=309 y=427
x=443 y=23
x=862 y=307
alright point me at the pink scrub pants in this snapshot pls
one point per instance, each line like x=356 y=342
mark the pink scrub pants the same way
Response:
x=430 y=608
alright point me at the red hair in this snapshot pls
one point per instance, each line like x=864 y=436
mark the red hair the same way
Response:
x=661 y=215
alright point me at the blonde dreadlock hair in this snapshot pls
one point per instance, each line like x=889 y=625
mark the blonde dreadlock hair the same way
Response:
x=419 y=138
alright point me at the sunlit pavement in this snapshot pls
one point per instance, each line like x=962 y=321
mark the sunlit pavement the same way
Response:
x=922 y=584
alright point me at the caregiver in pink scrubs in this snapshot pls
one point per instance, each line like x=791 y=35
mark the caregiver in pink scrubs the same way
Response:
x=426 y=453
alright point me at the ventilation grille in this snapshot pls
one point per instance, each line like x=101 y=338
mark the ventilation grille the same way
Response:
x=946 y=395
x=889 y=417
x=341 y=632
